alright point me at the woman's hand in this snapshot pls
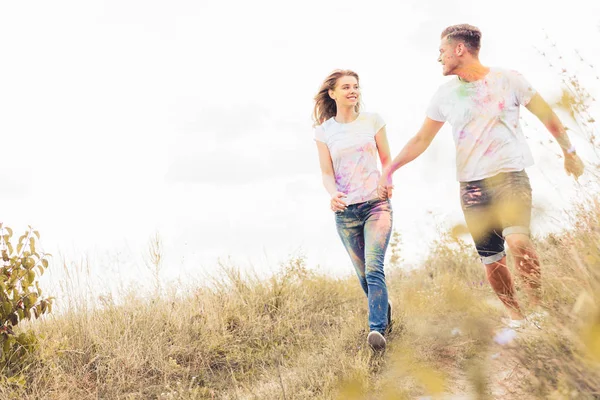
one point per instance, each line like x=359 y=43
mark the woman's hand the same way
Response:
x=337 y=202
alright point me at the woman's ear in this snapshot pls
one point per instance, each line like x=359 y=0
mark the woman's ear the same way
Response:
x=331 y=94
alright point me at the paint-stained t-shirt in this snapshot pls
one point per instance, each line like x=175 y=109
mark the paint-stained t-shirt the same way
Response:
x=354 y=154
x=485 y=122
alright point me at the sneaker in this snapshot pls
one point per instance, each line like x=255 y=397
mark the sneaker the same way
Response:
x=376 y=341
x=505 y=336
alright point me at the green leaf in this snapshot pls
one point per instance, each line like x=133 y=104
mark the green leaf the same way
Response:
x=45 y=263
x=10 y=231
x=6 y=307
x=30 y=277
x=36 y=233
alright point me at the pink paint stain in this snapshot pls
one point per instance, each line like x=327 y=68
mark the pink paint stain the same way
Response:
x=501 y=105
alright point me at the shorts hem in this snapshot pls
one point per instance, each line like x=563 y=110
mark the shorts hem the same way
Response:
x=493 y=258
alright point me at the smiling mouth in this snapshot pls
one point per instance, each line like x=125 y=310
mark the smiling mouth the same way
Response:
x=352 y=97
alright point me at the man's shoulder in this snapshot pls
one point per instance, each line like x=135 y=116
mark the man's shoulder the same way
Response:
x=447 y=88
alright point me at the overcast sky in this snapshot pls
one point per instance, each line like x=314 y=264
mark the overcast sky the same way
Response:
x=193 y=118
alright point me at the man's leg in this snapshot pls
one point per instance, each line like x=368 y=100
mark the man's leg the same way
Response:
x=527 y=264
x=500 y=279
x=514 y=199
x=485 y=229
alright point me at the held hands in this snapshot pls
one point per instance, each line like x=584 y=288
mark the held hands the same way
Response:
x=337 y=202
x=573 y=165
x=385 y=186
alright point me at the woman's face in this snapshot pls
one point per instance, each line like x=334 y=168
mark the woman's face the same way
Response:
x=346 y=92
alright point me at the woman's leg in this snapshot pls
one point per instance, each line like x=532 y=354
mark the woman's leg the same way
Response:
x=377 y=232
x=350 y=228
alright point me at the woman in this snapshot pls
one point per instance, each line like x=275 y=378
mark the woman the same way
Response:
x=348 y=141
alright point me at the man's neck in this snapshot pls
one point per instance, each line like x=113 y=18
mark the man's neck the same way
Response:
x=472 y=72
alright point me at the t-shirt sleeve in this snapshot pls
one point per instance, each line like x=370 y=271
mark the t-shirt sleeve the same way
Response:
x=522 y=88
x=320 y=134
x=433 y=110
x=378 y=122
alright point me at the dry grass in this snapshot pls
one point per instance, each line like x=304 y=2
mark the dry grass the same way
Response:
x=299 y=335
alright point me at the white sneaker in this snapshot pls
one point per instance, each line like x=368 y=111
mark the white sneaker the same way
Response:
x=376 y=341
x=505 y=336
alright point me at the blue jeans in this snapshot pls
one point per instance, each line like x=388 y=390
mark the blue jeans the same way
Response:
x=365 y=229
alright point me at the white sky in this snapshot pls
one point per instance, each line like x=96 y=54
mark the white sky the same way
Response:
x=192 y=118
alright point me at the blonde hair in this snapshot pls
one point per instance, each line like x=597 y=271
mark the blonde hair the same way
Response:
x=325 y=106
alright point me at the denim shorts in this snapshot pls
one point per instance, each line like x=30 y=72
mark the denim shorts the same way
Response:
x=494 y=208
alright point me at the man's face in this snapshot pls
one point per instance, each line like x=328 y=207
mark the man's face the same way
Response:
x=448 y=56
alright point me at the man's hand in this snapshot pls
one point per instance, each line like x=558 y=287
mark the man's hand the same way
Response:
x=573 y=165
x=385 y=186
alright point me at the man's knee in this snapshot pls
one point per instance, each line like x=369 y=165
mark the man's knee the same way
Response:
x=520 y=244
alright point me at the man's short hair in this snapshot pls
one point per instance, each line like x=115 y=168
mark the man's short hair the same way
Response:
x=469 y=34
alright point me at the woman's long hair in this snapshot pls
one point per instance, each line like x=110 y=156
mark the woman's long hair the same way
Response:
x=325 y=107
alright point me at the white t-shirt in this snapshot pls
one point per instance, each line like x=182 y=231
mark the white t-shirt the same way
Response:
x=354 y=154
x=485 y=121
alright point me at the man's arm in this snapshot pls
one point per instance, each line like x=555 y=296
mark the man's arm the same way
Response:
x=538 y=107
x=415 y=146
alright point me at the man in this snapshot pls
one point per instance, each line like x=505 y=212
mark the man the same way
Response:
x=482 y=106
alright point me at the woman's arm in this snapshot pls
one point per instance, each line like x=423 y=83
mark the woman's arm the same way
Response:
x=337 y=204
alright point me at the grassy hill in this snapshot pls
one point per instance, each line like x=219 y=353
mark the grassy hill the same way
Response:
x=301 y=335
